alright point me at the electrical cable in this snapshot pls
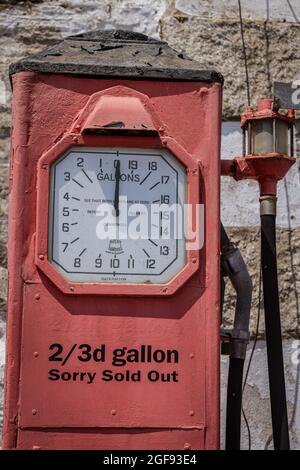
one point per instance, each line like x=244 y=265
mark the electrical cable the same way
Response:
x=244 y=53
x=293 y=11
x=256 y=330
x=267 y=42
x=259 y=295
x=289 y=218
x=296 y=394
x=250 y=359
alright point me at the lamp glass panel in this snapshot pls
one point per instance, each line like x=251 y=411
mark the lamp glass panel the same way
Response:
x=282 y=137
x=261 y=138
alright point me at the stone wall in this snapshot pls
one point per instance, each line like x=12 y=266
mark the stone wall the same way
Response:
x=209 y=31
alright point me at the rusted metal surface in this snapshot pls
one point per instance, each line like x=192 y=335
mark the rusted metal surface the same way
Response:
x=160 y=439
x=116 y=54
x=266 y=110
x=119 y=109
x=287 y=95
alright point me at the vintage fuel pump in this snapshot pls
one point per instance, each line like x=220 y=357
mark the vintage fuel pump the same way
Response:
x=115 y=249
x=113 y=343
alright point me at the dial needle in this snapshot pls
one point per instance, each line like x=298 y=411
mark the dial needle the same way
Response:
x=117 y=188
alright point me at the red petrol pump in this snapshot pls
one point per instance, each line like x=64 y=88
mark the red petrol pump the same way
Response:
x=113 y=341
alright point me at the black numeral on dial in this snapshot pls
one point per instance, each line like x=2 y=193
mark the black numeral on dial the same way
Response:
x=152 y=166
x=150 y=263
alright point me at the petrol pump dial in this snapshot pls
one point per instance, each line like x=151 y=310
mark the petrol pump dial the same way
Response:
x=117 y=215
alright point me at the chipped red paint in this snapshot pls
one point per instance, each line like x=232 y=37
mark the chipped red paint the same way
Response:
x=119 y=415
x=266 y=110
x=266 y=169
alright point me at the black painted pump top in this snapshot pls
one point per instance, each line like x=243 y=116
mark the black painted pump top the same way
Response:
x=116 y=53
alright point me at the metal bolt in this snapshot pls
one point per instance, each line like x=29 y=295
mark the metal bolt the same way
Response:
x=36 y=448
x=75 y=139
x=187 y=446
x=37 y=296
x=192 y=412
x=192 y=355
x=194 y=260
x=113 y=412
x=165 y=290
x=34 y=411
x=36 y=354
x=72 y=289
x=44 y=166
x=42 y=257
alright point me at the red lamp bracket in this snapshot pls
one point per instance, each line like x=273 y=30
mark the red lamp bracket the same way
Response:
x=266 y=169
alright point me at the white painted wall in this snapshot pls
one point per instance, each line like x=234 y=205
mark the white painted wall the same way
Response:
x=288 y=10
x=256 y=397
x=75 y=16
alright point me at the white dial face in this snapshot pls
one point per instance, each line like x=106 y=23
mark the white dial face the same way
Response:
x=116 y=215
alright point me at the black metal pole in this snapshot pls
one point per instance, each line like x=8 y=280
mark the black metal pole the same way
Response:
x=273 y=324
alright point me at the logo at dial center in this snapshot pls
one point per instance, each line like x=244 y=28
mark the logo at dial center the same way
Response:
x=115 y=247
